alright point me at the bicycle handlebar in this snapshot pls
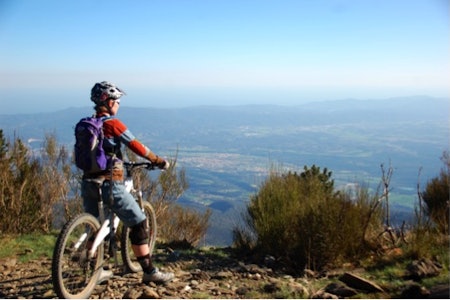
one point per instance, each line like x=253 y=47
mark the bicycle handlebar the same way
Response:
x=131 y=166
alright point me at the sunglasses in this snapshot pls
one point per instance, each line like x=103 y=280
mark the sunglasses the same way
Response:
x=117 y=101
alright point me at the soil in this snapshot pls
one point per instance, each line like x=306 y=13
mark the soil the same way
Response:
x=199 y=274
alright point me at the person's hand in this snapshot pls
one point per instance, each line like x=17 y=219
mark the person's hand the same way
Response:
x=163 y=165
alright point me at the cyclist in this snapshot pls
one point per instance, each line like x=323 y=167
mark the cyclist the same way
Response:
x=106 y=97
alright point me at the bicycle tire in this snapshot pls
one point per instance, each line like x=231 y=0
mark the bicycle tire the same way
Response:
x=128 y=257
x=73 y=275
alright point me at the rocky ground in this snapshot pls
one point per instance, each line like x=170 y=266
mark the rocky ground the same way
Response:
x=210 y=274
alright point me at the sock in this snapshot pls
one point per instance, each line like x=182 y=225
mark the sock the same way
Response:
x=146 y=263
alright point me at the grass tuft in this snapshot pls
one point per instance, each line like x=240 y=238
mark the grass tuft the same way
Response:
x=28 y=246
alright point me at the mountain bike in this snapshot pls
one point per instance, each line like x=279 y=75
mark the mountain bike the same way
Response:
x=79 y=255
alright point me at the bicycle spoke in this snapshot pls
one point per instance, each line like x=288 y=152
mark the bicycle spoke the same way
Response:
x=74 y=273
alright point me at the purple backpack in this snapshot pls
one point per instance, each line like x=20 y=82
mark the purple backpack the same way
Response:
x=89 y=153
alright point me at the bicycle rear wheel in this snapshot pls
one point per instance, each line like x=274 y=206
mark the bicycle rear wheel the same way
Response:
x=73 y=274
x=128 y=257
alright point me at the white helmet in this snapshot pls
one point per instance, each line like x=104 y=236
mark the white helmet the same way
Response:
x=105 y=90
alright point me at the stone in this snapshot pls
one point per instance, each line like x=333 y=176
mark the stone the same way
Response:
x=132 y=293
x=340 y=290
x=423 y=268
x=414 y=291
x=321 y=294
x=359 y=283
x=440 y=291
x=149 y=293
x=271 y=288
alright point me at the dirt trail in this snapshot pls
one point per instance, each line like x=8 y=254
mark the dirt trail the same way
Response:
x=210 y=274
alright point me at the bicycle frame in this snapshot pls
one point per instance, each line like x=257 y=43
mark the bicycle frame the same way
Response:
x=104 y=231
x=105 y=228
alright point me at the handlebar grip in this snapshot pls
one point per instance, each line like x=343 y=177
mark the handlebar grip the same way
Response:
x=137 y=165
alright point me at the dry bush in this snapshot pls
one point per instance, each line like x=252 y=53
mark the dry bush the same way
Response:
x=175 y=223
x=31 y=185
x=181 y=224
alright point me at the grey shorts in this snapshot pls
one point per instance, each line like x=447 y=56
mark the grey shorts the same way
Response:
x=124 y=204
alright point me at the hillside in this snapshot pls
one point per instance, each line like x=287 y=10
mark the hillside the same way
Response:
x=228 y=150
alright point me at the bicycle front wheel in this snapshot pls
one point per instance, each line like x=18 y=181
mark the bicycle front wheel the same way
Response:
x=74 y=275
x=128 y=257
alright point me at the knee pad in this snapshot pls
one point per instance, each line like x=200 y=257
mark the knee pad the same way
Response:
x=139 y=233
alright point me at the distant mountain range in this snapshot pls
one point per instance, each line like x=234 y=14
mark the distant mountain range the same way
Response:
x=228 y=150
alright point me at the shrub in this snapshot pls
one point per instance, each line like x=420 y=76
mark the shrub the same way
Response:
x=30 y=186
x=429 y=236
x=175 y=223
x=181 y=224
x=303 y=221
x=436 y=197
x=35 y=189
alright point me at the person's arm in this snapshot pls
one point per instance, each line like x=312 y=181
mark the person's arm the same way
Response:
x=115 y=127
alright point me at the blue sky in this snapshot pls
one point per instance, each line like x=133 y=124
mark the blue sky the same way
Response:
x=179 y=53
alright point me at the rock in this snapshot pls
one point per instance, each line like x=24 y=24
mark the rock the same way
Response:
x=186 y=289
x=9 y=263
x=132 y=293
x=149 y=293
x=321 y=294
x=414 y=291
x=423 y=268
x=271 y=288
x=298 y=289
x=360 y=283
x=222 y=275
x=441 y=291
x=340 y=290
x=242 y=290
x=49 y=294
x=200 y=275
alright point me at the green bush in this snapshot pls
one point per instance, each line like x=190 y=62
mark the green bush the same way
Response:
x=436 y=197
x=304 y=222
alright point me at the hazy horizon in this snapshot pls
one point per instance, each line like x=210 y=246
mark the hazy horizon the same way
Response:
x=12 y=107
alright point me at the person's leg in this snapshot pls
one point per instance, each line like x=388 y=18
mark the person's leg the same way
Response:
x=139 y=245
x=143 y=255
x=128 y=210
x=90 y=194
